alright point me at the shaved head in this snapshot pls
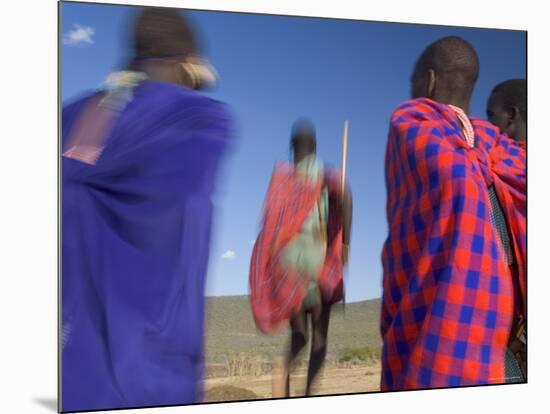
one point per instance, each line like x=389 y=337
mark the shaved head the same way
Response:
x=303 y=138
x=163 y=32
x=507 y=108
x=446 y=71
x=512 y=93
x=166 y=47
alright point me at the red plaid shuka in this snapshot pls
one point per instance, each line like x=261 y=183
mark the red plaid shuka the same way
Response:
x=275 y=292
x=448 y=299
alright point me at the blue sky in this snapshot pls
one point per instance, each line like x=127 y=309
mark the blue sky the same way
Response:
x=274 y=69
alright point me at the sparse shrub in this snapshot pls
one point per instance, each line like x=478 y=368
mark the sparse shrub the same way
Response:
x=244 y=365
x=362 y=354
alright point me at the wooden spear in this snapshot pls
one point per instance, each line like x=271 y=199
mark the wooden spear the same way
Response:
x=344 y=158
x=344 y=155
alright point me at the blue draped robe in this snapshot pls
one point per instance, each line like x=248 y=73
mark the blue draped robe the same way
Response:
x=135 y=242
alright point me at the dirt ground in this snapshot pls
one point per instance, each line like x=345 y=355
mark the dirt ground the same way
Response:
x=333 y=380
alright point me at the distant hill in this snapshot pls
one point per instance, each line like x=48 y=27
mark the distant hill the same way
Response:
x=230 y=328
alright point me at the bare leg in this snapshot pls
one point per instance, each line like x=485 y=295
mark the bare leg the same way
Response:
x=320 y=317
x=298 y=339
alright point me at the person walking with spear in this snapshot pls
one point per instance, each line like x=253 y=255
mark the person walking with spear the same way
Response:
x=299 y=257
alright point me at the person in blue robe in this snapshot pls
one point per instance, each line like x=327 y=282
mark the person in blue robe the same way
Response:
x=139 y=165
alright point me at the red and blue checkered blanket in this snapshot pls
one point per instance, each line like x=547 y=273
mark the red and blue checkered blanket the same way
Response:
x=448 y=297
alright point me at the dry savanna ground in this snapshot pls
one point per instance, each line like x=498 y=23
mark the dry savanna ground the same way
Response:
x=239 y=357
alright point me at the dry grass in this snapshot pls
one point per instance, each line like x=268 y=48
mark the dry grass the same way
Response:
x=246 y=365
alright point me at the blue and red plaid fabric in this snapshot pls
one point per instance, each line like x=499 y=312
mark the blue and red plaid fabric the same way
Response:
x=448 y=299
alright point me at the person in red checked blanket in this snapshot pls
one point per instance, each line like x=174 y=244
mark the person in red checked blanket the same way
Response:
x=456 y=227
x=298 y=260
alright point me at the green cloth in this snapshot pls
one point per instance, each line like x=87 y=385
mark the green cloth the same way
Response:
x=499 y=223
x=305 y=253
x=512 y=371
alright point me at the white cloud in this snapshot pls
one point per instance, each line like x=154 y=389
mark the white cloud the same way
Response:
x=79 y=35
x=229 y=255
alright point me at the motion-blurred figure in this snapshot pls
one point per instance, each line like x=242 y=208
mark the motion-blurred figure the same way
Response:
x=457 y=235
x=507 y=109
x=139 y=165
x=298 y=259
